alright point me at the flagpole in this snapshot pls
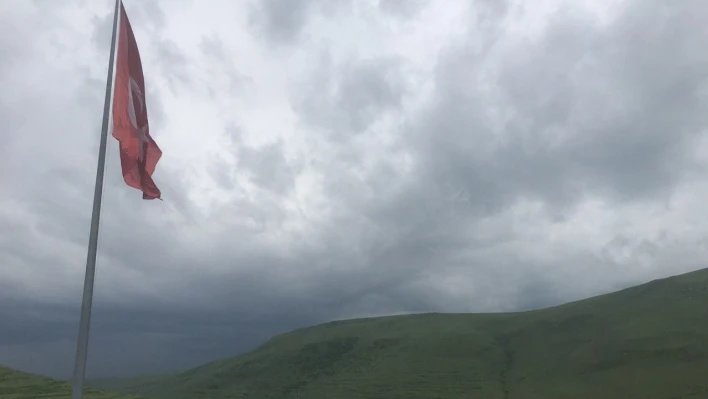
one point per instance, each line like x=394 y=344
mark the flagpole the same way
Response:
x=87 y=297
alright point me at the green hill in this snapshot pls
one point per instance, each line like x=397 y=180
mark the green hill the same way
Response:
x=649 y=342
x=18 y=385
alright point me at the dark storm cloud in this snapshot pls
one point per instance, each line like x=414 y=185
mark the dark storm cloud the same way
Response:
x=215 y=318
x=133 y=340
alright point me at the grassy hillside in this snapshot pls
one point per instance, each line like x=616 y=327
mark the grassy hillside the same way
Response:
x=17 y=385
x=648 y=342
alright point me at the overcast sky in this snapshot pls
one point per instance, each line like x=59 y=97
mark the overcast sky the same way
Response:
x=329 y=159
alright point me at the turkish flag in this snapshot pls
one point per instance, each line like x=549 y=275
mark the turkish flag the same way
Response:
x=138 y=151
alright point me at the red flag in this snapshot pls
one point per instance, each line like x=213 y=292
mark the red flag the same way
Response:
x=138 y=151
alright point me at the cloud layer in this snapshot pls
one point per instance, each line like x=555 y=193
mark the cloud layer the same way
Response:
x=328 y=159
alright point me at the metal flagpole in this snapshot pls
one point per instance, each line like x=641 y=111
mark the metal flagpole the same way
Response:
x=87 y=298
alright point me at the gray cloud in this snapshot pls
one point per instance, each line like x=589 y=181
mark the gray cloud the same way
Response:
x=269 y=167
x=576 y=121
x=347 y=99
x=217 y=57
x=402 y=8
x=571 y=124
x=285 y=22
x=515 y=171
x=280 y=21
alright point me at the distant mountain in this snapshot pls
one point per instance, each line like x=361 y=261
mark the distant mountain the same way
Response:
x=649 y=342
x=18 y=385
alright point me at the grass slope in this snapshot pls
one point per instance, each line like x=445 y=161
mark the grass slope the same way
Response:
x=648 y=342
x=18 y=385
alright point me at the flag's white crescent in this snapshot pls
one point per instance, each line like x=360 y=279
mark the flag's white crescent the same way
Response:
x=132 y=111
